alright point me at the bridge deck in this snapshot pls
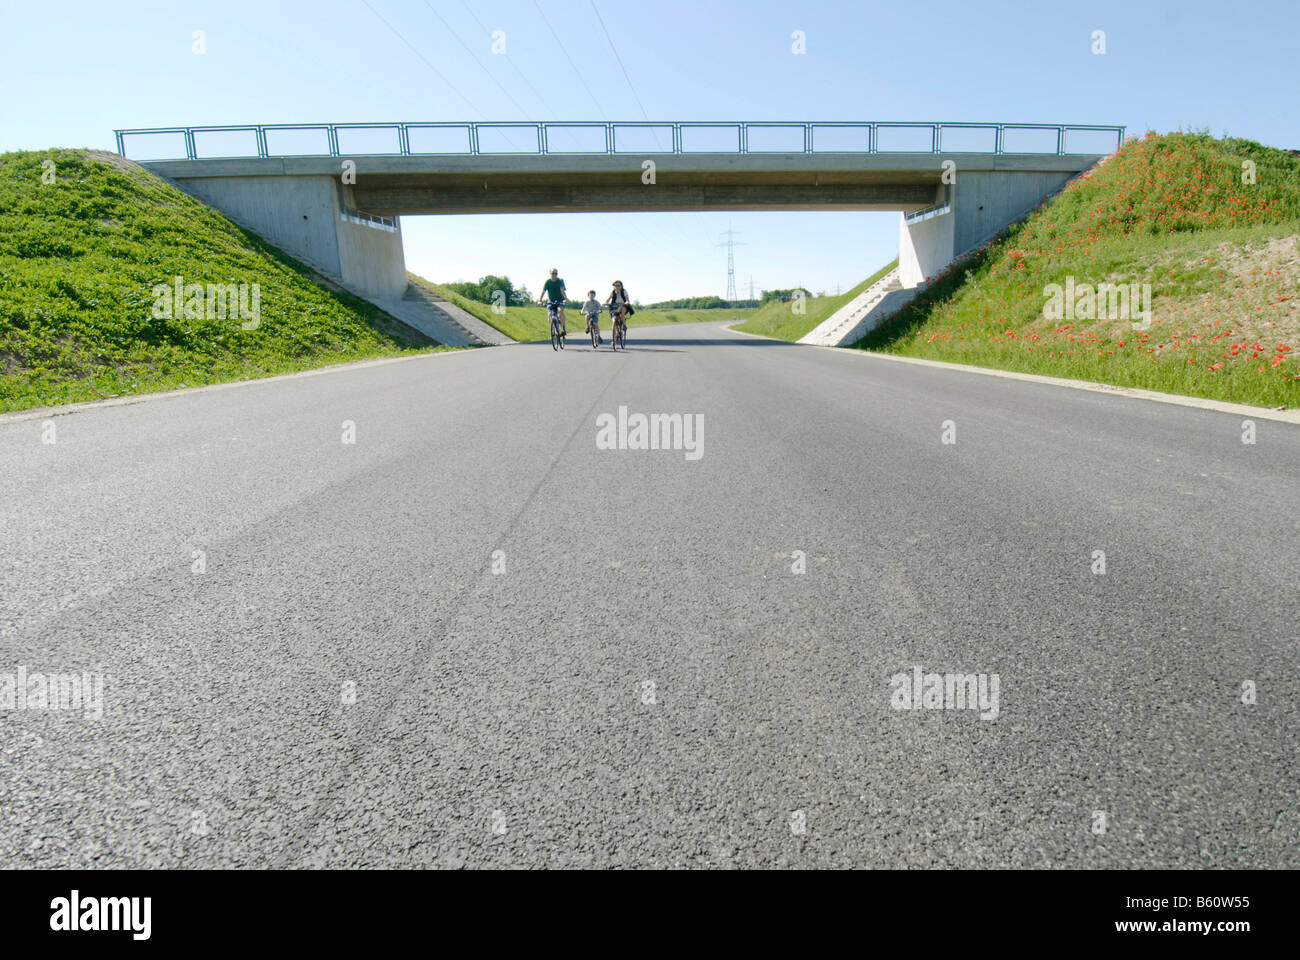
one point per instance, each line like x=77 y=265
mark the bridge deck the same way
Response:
x=388 y=186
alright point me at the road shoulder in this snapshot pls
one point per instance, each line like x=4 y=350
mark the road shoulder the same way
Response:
x=1133 y=393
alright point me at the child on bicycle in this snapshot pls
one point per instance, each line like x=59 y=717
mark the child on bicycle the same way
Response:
x=591 y=309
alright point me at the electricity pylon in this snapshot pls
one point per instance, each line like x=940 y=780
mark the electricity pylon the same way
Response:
x=731 y=259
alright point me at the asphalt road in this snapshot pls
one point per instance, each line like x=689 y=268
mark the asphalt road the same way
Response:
x=508 y=718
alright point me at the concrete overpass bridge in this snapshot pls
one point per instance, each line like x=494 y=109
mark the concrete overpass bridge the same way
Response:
x=333 y=194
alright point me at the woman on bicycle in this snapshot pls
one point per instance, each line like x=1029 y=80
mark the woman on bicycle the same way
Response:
x=620 y=303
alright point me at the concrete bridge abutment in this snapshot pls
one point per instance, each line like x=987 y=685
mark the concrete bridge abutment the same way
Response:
x=968 y=212
x=313 y=218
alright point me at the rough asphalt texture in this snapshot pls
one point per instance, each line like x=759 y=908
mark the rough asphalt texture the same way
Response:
x=501 y=719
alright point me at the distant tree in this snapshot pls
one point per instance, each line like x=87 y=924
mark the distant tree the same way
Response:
x=702 y=303
x=784 y=296
x=485 y=290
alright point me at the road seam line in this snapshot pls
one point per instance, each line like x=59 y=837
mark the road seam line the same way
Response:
x=363 y=741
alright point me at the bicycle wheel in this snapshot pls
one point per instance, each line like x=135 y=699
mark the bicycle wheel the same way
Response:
x=555 y=336
x=595 y=335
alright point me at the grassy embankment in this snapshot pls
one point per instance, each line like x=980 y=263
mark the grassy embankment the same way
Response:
x=80 y=256
x=529 y=323
x=1176 y=211
x=778 y=319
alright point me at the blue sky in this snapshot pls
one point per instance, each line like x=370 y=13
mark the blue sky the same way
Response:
x=75 y=72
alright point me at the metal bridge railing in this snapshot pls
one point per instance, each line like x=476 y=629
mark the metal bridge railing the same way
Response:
x=549 y=138
x=927 y=213
x=369 y=219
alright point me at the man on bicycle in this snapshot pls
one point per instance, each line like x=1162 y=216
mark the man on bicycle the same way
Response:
x=553 y=295
x=591 y=310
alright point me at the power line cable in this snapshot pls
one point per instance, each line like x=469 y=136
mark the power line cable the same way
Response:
x=399 y=36
x=565 y=51
x=510 y=60
x=528 y=83
x=674 y=252
x=570 y=133
x=491 y=76
x=422 y=57
x=640 y=106
x=644 y=116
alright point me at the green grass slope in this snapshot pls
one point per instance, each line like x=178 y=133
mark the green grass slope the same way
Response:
x=1176 y=211
x=530 y=323
x=79 y=257
x=776 y=319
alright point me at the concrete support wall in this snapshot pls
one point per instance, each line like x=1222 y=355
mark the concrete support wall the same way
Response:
x=303 y=216
x=982 y=203
x=371 y=259
x=987 y=202
x=297 y=214
x=924 y=248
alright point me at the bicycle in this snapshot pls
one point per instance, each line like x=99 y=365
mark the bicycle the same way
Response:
x=593 y=328
x=557 y=332
x=618 y=336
